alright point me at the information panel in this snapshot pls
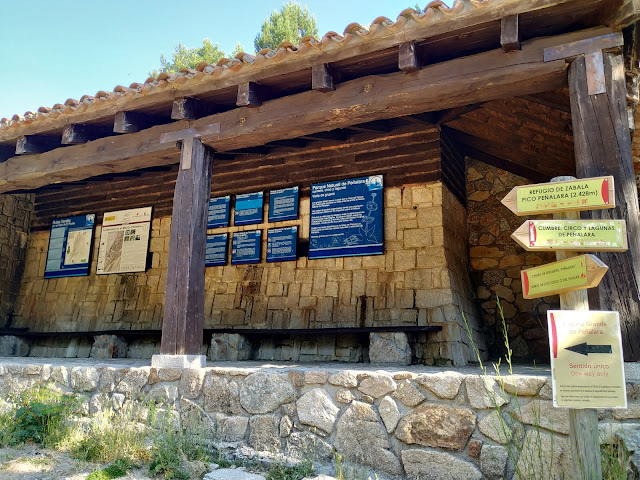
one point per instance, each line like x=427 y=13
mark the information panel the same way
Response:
x=124 y=241
x=283 y=204
x=69 y=253
x=281 y=244
x=218 y=212
x=248 y=209
x=586 y=359
x=246 y=247
x=346 y=218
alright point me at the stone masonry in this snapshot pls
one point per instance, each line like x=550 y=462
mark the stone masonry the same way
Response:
x=422 y=279
x=15 y=220
x=496 y=262
x=420 y=424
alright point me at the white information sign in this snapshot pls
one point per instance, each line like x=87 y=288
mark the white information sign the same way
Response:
x=124 y=241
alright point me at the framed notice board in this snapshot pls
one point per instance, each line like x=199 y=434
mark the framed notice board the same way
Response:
x=69 y=253
x=281 y=244
x=216 y=250
x=246 y=247
x=248 y=208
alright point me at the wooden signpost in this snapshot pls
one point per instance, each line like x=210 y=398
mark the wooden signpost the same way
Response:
x=577 y=235
x=566 y=196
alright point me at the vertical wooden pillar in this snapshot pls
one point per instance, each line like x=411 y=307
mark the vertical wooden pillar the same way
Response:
x=182 y=327
x=603 y=147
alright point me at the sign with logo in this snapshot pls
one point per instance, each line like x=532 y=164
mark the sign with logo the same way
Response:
x=218 y=215
x=281 y=244
x=124 y=241
x=216 y=250
x=246 y=247
x=248 y=209
x=69 y=253
x=283 y=204
x=586 y=359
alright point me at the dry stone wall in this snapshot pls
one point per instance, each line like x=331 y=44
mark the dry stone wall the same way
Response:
x=15 y=219
x=422 y=279
x=496 y=262
x=416 y=424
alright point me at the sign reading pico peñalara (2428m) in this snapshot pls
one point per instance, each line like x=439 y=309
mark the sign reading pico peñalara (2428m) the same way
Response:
x=584 y=194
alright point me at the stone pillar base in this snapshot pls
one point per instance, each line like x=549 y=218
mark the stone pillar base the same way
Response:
x=229 y=347
x=389 y=347
x=178 y=361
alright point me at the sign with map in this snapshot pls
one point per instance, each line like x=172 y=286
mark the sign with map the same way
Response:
x=124 y=241
x=218 y=215
x=69 y=253
x=248 y=208
x=346 y=218
x=281 y=244
x=283 y=204
x=216 y=250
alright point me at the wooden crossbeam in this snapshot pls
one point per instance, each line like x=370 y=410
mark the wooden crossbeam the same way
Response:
x=189 y=108
x=374 y=126
x=250 y=94
x=186 y=136
x=32 y=144
x=338 y=134
x=77 y=133
x=408 y=60
x=509 y=33
x=322 y=78
x=131 y=122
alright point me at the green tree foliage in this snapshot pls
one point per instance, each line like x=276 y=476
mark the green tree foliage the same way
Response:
x=185 y=57
x=291 y=23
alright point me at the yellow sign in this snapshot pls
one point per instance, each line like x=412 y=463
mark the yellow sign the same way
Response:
x=591 y=235
x=575 y=273
x=574 y=195
x=587 y=368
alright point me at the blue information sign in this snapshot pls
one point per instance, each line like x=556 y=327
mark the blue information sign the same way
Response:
x=248 y=209
x=218 y=212
x=346 y=218
x=69 y=253
x=216 y=251
x=246 y=247
x=283 y=204
x=281 y=244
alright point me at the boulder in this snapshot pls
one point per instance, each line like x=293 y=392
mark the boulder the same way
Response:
x=315 y=408
x=389 y=412
x=263 y=392
x=264 y=434
x=443 y=384
x=221 y=395
x=377 y=385
x=431 y=465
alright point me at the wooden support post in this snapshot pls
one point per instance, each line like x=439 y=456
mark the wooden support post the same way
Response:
x=583 y=423
x=189 y=108
x=32 y=144
x=77 y=133
x=509 y=33
x=249 y=95
x=322 y=78
x=603 y=147
x=130 y=122
x=408 y=60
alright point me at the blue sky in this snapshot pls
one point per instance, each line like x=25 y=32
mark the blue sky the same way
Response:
x=51 y=50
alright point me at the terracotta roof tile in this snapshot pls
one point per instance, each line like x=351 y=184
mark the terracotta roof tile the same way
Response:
x=434 y=12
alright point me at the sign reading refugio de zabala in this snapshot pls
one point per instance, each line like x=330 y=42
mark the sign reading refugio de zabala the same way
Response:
x=585 y=194
x=124 y=241
x=346 y=218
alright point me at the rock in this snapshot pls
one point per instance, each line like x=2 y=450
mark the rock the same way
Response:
x=344 y=378
x=632 y=412
x=522 y=385
x=305 y=445
x=11 y=346
x=232 y=474
x=434 y=425
x=546 y=392
x=285 y=426
x=221 y=395
x=475 y=446
x=361 y=437
x=408 y=394
x=84 y=379
x=134 y=381
x=344 y=396
x=316 y=377
x=442 y=384
x=630 y=438
x=191 y=382
x=390 y=347
x=263 y=392
x=542 y=413
x=231 y=429
x=60 y=375
x=98 y=402
x=315 y=408
x=428 y=465
x=496 y=428
x=483 y=392
x=107 y=379
x=389 y=413
x=539 y=460
x=230 y=347
x=377 y=385
x=169 y=374
x=320 y=477
x=264 y=434
x=493 y=461
x=163 y=393
x=194 y=419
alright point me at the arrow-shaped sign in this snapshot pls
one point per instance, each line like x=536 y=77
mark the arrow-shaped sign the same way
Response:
x=585 y=349
x=581 y=235
x=575 y=273
x=584 y=194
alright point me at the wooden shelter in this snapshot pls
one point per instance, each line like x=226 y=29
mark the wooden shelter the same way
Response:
x=535 y=88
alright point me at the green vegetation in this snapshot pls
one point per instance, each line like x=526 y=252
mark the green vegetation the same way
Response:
x=280 y=471
x=117 y=469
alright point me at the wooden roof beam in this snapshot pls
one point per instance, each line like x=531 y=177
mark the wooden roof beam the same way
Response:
x=32 y=144
x=510 y=33
x=408 y=60
x=131 y=122
x=190 y=108
x=250 y=94
x=78 y=133
x=323 y=78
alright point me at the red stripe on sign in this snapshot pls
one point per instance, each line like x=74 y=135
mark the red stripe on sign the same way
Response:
x=525 y=279
x=554 y=336
x=605 y=190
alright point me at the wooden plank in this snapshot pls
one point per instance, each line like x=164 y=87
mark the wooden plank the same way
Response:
x=595 y=72
x=250 y=94
x=32 y=144
x=322 y=78
x=183 y=316
x=581 y=47
x=78 y=133
x=193 y=132
x=509 y=33
x=408 y=60
x=574 y=235
x=473 y=79
x=131 y=122
x=189 y=108
x=603 y=147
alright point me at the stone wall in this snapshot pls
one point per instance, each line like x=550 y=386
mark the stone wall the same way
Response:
x=496 y=261
x=15 y=219
x=424 y=423
x=422 y=279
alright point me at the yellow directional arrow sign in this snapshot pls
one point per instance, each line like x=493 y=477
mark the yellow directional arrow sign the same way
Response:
x=582 y=235
x=575 y=273
x=585 y=194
